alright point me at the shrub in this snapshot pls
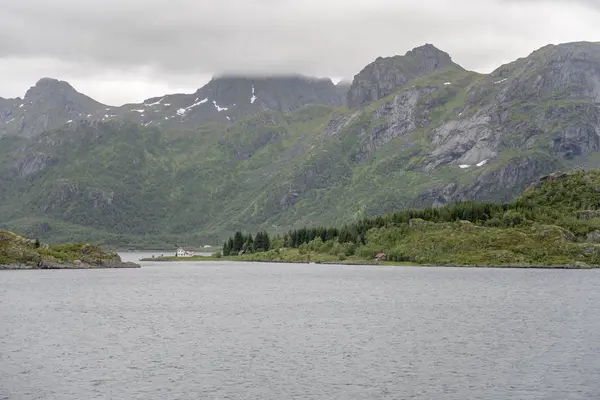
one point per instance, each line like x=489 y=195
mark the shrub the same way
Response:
x=512 y=218
x=398 y=255
x=493 y=223
x=335 y=249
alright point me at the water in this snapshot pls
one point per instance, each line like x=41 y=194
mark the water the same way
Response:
x=266 y=331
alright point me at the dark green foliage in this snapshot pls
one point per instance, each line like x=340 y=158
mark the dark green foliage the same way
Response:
x=238 y=242
x=247 y=244
x=262 y=242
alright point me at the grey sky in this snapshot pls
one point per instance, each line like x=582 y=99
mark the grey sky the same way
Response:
x=127 y=50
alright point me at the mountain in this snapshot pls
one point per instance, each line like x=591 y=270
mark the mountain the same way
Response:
x=386 y=75
x=51 y=104
x=418 y=130
x=47 y=105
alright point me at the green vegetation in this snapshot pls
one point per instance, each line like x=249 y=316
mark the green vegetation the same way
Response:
x=21 y=253
x=246 y=244
x=556 y=222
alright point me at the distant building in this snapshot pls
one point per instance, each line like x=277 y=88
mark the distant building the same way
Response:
x=185 y=252
x=380 y=257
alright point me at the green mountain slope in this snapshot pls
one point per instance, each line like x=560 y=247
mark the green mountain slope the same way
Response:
x=430 y=134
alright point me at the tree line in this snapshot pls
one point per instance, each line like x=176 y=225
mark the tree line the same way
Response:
x=489 y=214
x=242 y=243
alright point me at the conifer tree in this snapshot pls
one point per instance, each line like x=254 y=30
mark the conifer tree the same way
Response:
x=238 y=242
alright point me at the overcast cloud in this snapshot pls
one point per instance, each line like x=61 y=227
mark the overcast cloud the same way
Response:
x=127 y=50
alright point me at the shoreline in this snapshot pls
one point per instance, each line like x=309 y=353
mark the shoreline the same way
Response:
x=55 y=266
x=577 y=266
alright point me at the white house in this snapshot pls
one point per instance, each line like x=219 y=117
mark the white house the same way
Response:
x=185 y=252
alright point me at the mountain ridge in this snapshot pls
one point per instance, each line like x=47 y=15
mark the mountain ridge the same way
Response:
x=223 y=98
x=443 y=134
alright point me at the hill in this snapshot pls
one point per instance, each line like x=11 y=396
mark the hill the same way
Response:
x=555 y=222
x=419 y=130
x=17 y=252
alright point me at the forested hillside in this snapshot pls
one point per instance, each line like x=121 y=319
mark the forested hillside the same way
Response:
x=555 y=222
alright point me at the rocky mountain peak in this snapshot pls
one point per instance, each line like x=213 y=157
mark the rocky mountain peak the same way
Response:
x=429 y=58
x=47 y=105
x=385 y=75
x=48 y=87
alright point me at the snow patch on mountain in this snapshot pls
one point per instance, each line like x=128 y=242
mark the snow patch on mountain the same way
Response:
x=197 y=103
x=219 y=108
x=153 y=104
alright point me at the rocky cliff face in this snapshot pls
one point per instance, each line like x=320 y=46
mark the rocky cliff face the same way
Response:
x=386 y=75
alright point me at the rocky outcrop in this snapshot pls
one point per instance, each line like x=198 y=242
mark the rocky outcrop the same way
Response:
x=386 y=75
x=33 y=163
x=17 y=252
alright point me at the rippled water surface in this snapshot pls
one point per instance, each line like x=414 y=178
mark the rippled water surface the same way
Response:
x=267 y=331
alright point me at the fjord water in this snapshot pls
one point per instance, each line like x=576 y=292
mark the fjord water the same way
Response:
x=210 y=330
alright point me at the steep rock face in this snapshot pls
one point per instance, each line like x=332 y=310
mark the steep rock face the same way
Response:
x=544 y=107
x=46 y=106
x=560 y=71
x=33 y=163
x=392 y=120
x=385 y=75
x=342 y=88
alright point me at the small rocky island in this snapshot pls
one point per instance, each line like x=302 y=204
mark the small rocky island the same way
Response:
x=17 y=252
